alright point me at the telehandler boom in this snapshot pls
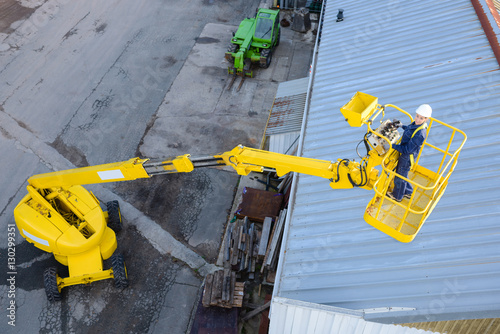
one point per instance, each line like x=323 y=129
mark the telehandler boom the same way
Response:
x=59 y=216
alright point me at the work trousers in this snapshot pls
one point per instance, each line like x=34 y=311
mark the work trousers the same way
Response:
x=402 y=187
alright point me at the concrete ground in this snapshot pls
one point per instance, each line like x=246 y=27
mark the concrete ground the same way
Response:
x=93 y=82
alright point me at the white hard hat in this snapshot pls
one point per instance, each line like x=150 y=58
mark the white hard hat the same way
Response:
x=424 y=110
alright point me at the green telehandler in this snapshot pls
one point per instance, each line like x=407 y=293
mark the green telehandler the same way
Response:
x=254 y=42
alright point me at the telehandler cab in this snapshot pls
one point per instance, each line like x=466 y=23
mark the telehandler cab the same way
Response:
x=254 y=42
x=61 y=217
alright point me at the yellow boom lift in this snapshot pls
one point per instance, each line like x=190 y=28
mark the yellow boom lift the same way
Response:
x=59 y=216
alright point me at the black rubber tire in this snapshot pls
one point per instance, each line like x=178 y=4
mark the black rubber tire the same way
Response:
x=232 y=48
x=114 y=216
x=119 y=271
x=267 y=54
x=50 y=282
x=278 y=39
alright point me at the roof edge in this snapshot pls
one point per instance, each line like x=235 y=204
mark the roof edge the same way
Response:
x=486 y=16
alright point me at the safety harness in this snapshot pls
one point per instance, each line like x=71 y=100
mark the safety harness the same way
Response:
x=412 y=160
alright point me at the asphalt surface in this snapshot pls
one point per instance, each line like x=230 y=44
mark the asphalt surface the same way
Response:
x=85 y=83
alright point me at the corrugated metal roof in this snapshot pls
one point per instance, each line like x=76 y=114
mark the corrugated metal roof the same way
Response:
x=291 y=316
x=286 y=115
x=288 y=107
x=285 y=119
x=405 y=53
x=495 y=7
x=470 y=326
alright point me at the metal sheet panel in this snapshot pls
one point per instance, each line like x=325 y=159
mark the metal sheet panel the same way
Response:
x=288 y=107
x=292 y=87
x=292 y=316
x=286 y=115
x=285 y=143
x=405 y=53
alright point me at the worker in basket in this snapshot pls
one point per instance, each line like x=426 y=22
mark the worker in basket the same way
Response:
x=409 y=147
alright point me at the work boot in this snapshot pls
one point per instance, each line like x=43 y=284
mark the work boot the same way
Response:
x=391 y=196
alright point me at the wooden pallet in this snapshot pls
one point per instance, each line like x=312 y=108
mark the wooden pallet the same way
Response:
x=222 y=290
x=239 y=292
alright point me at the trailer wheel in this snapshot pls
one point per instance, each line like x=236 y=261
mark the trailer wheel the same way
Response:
x=119 y=271
x=50 y=282
x=114 y=216
x=266 y=56
x=232 y=48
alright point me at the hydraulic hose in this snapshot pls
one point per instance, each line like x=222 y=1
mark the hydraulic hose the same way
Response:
x=364 y=176
x=338 y=169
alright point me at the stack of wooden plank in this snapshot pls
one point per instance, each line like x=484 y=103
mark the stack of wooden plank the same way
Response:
x=250 y=244
x=242 y=248
x=247 y=245
x=285 y=186
x=270 y=261
x=221 y=289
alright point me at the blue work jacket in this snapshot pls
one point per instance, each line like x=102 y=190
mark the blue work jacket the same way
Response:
x=410 y=144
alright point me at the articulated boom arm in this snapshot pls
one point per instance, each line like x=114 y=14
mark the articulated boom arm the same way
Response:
x=245 y=160
x=50 y=193
x=342 y=174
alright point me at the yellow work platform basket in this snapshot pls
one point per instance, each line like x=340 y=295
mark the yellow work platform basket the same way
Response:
x=429 y=177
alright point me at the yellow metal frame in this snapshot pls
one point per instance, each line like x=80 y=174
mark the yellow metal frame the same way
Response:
x=63 y=282
x=359 y=109
x=80 y=240
x=382 y=212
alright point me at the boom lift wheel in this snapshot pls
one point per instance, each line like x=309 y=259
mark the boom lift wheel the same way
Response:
x=114 y=216
x=50 y=282
x=119 y=271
